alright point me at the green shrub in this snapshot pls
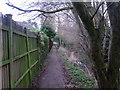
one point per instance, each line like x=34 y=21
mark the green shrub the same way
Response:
x=48 y=31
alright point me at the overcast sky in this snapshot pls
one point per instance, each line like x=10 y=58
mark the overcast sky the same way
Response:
x=19 y=3
x=8 y=10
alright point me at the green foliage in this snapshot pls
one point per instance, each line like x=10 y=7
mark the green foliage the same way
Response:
x=44 y=43
x=79 y=78
x=34 y=30
x=48 y=31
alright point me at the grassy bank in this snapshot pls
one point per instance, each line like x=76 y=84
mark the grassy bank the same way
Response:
x=78 y=77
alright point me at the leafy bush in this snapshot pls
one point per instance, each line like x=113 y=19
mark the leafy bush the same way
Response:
x=48 y=31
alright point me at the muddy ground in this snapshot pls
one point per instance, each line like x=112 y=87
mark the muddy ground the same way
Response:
x=53 y=74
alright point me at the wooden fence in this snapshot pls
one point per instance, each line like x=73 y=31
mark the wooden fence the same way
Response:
x=19 y=54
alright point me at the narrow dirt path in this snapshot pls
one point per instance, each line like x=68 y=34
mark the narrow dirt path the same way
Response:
x=53 y=74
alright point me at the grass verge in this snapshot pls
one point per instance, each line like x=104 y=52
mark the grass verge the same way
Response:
x=78 y=77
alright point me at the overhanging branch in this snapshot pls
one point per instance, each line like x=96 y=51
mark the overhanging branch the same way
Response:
x=97 y=10
x=107 y=8
x=37 y=10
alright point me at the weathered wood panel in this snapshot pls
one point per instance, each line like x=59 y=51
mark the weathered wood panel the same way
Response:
x=1 y=50
x=19 y=56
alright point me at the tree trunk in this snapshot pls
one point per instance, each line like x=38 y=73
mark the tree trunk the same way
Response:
x=114 y=62
x=97 y=56
x=50 y=44
x=109 y=78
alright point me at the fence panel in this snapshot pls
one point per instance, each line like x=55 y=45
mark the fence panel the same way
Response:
x=19 y=56
x=1 y=50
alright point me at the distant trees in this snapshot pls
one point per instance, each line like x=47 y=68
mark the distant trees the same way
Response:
x=49 y=33
x=48 y=29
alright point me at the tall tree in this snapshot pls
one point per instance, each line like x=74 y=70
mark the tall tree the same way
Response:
x=114 y=62
x=107 y=76
x=95 y=39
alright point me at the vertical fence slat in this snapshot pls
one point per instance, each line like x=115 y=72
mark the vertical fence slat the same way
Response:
x=38 y=45
x=27 y=46
x=9 y=18
x=1 y=50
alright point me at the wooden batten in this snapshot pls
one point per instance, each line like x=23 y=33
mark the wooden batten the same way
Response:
x=1 y=51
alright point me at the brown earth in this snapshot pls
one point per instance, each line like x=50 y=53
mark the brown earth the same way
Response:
x=53 y=74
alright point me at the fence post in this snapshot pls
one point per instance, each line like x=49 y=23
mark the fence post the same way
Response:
x=27 y=46
x=1 y=50
x=9 y=21
x=38 y=46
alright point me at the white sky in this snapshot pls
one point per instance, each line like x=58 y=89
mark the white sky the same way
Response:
x=19 y=3
x=8 y=10
x=5 y=9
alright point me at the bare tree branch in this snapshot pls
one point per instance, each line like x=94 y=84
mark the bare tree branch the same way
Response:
x=37 y=10
x=97 y=10
x=107 y=8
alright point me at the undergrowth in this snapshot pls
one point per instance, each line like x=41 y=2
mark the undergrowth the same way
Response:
x=78 y=77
